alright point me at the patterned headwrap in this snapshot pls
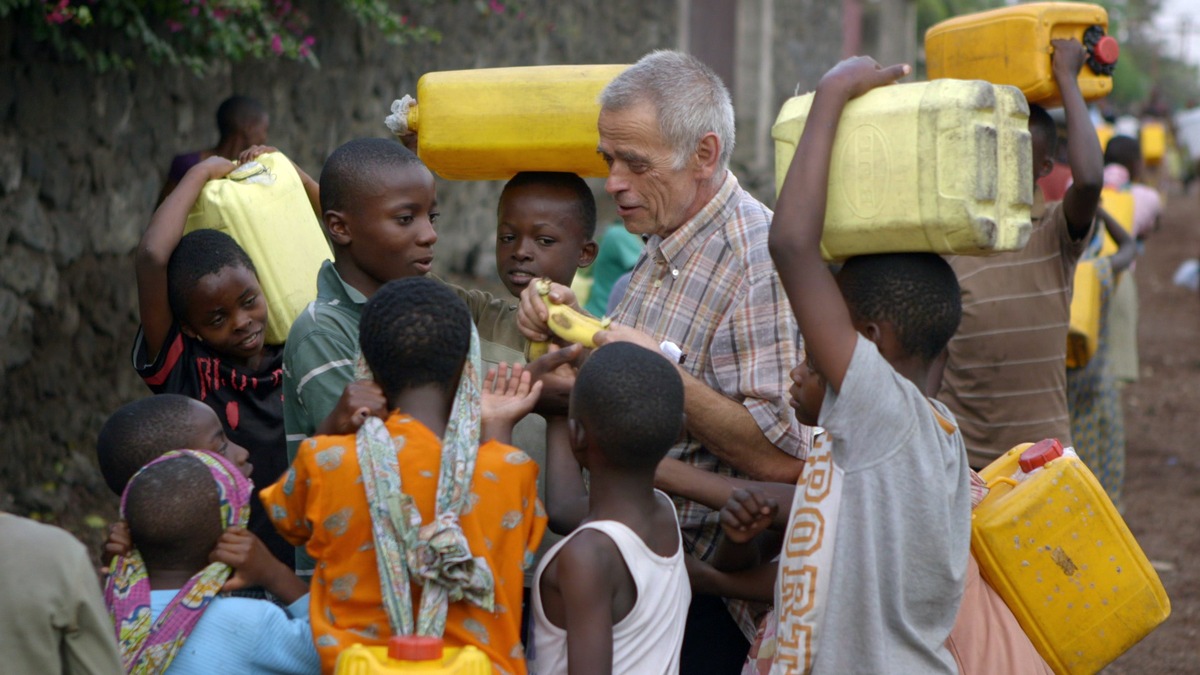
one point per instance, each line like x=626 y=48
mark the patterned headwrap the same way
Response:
x=149 y=647
x=435 y=554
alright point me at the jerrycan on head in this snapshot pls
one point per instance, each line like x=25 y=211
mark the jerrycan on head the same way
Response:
x=939 y=166
x=1052 y=544
x=492 y=123
x=1011 y=45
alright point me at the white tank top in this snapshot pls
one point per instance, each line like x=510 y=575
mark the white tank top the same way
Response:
x=648 y=639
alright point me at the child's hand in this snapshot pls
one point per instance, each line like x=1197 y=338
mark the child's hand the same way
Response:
x=1068 y=59
x=252 y=563
x=214 y=167
x=747 y=513
x=859 y=74
x=360 y=400
x=254 y=151
x=508 y=395
x=556 y=373
x=119 y=542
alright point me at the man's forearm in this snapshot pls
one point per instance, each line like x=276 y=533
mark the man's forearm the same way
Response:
x=729 y=431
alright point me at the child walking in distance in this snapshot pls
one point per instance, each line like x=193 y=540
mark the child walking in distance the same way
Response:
x=875 y=551
x=203 y=320
x=450 y=562
x=613 y=596
x=186 y=511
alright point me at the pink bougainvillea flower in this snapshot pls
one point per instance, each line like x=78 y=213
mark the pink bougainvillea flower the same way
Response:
x=496 y=6
x=277 y=44
x=174 y=26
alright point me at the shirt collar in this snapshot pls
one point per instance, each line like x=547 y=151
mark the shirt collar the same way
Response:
x=678 y=245
x=329 y=281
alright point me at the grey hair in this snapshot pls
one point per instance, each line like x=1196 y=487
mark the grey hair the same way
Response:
x=690 y=100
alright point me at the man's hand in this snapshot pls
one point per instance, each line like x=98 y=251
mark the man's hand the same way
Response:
x=360 y=400
x=1068 y=58
x=619 y=333
x=858 y=75
x=747 y=513
x=532 y=314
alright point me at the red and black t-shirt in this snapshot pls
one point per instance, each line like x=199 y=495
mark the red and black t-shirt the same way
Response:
x=248 y=402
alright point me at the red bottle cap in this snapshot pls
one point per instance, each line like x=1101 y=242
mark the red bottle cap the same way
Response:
x=414 y=648
x=1039 y=454
x=1106 y=50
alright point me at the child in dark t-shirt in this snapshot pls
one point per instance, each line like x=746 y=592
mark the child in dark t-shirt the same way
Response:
x=203 y=319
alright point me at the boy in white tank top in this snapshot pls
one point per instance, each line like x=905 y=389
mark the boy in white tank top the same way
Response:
x=613 y=596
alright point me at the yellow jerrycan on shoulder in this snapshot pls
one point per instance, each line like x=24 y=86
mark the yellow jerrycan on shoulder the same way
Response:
x=263 y=206
x=412 y=654
x=1011 y=45
x=491 y=123
x=1052 y=544
x=929 y=166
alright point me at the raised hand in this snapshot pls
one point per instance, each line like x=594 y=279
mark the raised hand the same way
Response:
x=859 y=74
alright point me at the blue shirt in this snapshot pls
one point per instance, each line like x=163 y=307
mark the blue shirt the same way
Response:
x=241 y=635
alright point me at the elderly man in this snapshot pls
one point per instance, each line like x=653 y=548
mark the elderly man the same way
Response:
x=704 y=292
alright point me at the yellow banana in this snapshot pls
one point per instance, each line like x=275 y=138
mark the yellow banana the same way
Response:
x=567 y=323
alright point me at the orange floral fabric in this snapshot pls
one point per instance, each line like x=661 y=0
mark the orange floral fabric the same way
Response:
x=320 y=503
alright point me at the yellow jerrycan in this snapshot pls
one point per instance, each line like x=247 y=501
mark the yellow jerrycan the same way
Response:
x=412 y=654
x=928 y=166
x=1011 y=45
x=1104 y=132
x=1052 y=544
x=1083 y=328
x=263 y=206
x=491 y=123
x=1154 y=142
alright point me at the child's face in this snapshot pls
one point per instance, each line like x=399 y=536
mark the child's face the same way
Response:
x=391 y=230
x=538 y=234
x=208 y=434
x=807 y=392
x=227 y=311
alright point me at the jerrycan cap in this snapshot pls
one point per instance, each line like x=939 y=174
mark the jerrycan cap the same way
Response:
x=414 y=648
x=1039 y=454
x=1106 y=50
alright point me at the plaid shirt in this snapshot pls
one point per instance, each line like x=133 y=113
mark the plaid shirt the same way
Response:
x=711 y=288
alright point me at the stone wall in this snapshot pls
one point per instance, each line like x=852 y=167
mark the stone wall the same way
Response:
x=82 y=158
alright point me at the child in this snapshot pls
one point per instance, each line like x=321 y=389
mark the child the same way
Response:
x=1005 y=376
x=148 y=428
x=203 y=320
x=185 y=512
x=52 y=616
x=241 y=121
x=876 y=546
x=613 y=596
x=340 y=495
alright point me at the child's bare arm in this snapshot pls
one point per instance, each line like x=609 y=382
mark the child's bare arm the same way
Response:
x=589 y=567
x=254 y=565
x=1083 y=146
x=714 y=490
x=756 y=584
x=157 y=245
x=508 y=396
x=567 y=500
x=795 y=238
x=1126 y=245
